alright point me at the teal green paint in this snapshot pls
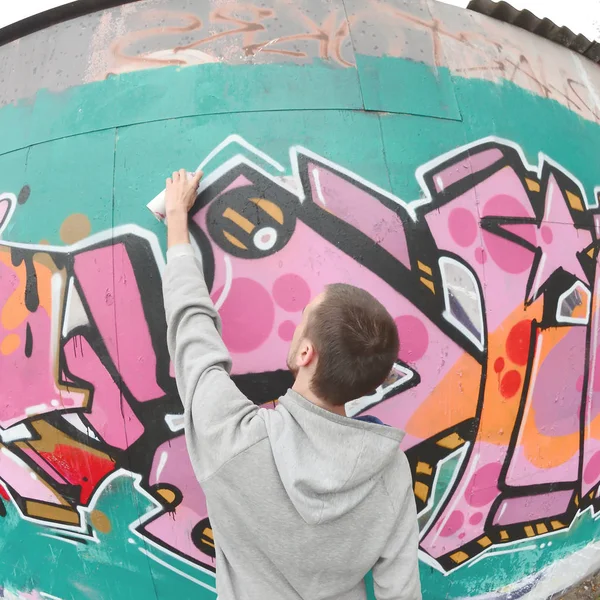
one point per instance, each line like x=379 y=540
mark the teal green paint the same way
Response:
x=76 y=175
x=112 y=569
x=351 y=138
x=395 y=86
x=143 y=96
x=70 y=175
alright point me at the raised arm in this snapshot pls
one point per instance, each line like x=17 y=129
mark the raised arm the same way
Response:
x=218 y=417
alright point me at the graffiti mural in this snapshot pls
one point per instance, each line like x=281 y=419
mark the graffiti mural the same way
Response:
x=492 y=276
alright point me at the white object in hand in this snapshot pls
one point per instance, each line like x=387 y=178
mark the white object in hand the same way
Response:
x=157 y=205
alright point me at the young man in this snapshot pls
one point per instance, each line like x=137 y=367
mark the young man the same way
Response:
x=303 y=500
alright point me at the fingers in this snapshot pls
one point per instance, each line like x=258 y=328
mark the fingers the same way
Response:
x=169 y=182
x=197 y=177
x=175 y=176
x=182 y=175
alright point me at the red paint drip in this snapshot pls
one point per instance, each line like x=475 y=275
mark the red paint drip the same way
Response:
x=79 y=467
x=4 y=494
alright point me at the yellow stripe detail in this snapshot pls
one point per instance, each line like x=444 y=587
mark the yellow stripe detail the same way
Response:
x=575 y=201
x=503 y=535
x=239 y=220
x=428 y=283
x=424 y=267
x=423 y=467
x=270 y=208
x=529 y=531
x=451 y=441
x=484 y=542
x=208 y=533
x=421 y=491
x=459 y=557
x=534 y=186
x=557 y=525
x=234 y=240
x=541 y=528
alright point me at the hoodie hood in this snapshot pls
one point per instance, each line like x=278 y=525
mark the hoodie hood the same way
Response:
x=327 y=463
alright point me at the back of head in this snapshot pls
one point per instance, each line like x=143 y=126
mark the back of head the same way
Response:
x=356 y=341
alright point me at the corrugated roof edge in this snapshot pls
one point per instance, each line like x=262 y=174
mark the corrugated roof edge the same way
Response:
x=53 y=16
x=525 y=19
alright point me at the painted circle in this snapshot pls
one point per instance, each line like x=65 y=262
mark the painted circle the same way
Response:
x=510 y=384
x=592 y=469
x=75 y=228
x=499 y=365
x=265 y=238
x=286 y=331
x=476 y=518
x=414 y=339
x=291 y=292
x=247 y=314
x=483 y=487
x=462 y=226
x=547 y=234
x=480 y=255
x=518 y=341
x=453 y=524
x=508 y=255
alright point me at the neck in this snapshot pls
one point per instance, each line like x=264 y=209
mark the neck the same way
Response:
x=306 y=392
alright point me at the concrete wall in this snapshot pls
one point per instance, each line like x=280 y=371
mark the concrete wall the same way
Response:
x=445 y=161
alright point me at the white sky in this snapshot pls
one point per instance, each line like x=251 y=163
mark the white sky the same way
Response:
x=581 y=16
x=12 y=11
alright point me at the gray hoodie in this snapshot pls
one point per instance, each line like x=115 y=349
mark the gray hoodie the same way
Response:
x=303 y=502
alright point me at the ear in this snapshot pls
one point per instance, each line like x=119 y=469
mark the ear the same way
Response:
x=306 y=353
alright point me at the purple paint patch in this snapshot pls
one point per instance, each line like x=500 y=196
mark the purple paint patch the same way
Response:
x=531 y=508
x=556 y=407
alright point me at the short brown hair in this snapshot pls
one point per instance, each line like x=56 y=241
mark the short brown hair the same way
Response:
x=357 y=343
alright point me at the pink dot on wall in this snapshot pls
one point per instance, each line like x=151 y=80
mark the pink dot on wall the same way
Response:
x=462 y=226
x=480 y=255
x=453 y=524
x=291 y=292
x=547 y=234
x=247 y=314
x=476 y=518
x=483 y=487
x=592 y=469
x=414 y=338
x=286 y=331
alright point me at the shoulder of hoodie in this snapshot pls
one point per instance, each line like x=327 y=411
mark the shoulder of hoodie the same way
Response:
x=397 y=480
